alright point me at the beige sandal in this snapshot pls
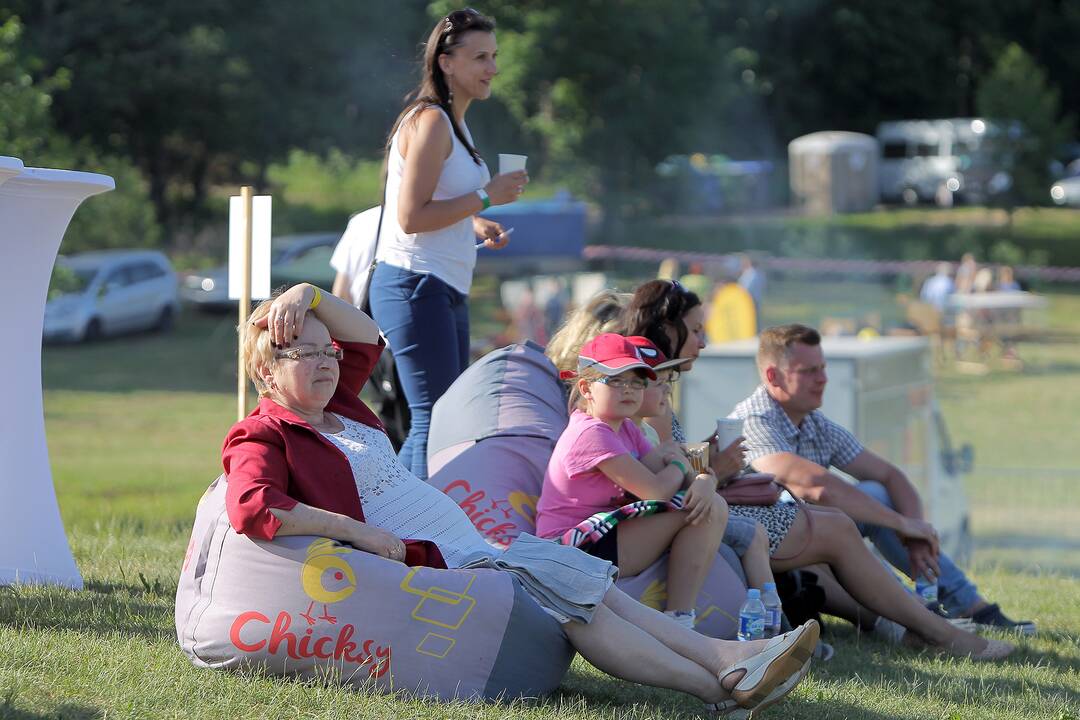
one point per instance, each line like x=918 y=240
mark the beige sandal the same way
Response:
x=994 y=650
x=784 y=657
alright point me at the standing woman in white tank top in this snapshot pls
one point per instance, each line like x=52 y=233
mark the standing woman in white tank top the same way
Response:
x=436 y=184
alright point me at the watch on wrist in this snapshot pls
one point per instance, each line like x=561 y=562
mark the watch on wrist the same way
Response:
x=484 y=198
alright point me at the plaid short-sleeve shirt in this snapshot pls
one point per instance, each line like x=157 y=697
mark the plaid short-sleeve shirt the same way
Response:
x=769 y=430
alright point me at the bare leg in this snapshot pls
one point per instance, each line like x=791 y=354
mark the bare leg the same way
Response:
x=693 y=550
x=835 y=540
x=621 y=649
x=715 y=655
x=839 y=603
x=755 y=561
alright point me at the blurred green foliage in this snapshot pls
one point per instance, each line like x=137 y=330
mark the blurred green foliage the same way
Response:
x=123 y=218
x=199 y=96
x=1018 y=89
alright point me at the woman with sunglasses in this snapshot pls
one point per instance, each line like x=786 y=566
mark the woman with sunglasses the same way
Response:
x=436 y=184
x=799 y=535
x=312 y=459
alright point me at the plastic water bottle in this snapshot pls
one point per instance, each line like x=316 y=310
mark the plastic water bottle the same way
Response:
x=771 y=600
x=926 y=589
x=752 y=616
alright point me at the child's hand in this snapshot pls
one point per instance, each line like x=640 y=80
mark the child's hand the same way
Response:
x=701 y=501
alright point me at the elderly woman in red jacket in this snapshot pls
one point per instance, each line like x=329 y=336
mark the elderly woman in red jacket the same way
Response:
x=312 y=459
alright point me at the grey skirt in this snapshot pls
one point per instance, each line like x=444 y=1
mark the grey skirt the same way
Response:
x=566 y=583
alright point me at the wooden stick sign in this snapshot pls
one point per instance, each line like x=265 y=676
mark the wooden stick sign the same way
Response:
x=249 y=268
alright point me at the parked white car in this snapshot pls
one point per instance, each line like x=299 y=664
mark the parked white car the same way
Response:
x=110 y=292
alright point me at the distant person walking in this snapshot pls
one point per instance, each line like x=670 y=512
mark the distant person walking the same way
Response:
x=753 y=281
x=938 y=287
x=436 y=184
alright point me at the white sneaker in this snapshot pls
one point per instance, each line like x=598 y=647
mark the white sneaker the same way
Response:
x=824 y=651
x=686 y=619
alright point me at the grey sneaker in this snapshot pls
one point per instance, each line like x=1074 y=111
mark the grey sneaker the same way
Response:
x=963 y=623
x=991 y=618
x=889 y=631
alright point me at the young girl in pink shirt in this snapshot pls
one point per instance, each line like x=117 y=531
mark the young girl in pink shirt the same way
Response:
x=744 y=535
x=602 y=462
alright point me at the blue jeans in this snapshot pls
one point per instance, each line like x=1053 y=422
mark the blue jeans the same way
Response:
x=427 y=325
x=955 y=592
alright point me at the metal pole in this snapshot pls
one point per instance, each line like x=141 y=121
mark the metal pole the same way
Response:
x=245 y=303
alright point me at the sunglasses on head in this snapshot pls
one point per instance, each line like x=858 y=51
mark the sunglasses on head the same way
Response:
x=459 y=19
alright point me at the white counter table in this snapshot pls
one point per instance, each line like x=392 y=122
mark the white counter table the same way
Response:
x=36 y=206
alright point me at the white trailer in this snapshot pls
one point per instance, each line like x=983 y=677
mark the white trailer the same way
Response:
x=881 y=389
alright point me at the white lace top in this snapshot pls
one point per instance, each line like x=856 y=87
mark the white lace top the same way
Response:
x=399 y=502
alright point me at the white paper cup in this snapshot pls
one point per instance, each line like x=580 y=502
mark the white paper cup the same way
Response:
x=727 y=430
x=511 y=163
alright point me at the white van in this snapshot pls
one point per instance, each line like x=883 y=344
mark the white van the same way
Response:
x=940 y=161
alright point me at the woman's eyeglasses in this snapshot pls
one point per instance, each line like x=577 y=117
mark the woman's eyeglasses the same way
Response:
x=621 y=383
x=310 y=353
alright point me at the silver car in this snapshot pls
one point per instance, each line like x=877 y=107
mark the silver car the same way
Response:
x=293 y=259
x=96 y=294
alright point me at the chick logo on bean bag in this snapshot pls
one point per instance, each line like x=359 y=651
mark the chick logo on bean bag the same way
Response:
x=655 y=595
x=326 y=577
x=524 y=504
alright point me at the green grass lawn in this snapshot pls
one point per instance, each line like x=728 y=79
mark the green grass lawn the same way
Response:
x=134 y=429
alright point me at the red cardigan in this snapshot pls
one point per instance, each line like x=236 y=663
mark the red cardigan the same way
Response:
x=274 y=459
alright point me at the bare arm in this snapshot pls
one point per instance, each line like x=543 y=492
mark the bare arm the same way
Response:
x=657 y=459
x=344 y=321
x=341 y=287
x=868 y=465
x=813 y=483
x=307 y=520
x=425 y=145
x=634 y=477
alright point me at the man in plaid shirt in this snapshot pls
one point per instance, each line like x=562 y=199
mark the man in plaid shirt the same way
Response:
x=788 y=436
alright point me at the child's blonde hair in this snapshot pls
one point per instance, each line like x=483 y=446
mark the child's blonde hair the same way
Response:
x=603 y=313
x=577 y=400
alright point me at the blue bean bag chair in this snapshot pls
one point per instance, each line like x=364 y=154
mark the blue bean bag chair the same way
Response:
x=491 y=436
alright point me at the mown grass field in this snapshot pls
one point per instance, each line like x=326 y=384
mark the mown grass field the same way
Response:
x=134 y=429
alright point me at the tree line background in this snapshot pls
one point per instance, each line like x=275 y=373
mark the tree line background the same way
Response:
x=183 y=100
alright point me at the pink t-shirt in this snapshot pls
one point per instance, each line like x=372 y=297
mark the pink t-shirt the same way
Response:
x=574 y=488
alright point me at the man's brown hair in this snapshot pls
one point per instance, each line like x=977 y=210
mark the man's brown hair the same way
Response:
x=775 y=343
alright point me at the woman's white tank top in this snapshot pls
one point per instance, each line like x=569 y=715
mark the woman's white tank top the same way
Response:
x=450 y=252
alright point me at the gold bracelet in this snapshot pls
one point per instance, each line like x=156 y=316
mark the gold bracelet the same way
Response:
x=316 y=299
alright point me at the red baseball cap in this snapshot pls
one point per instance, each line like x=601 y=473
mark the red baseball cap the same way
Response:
x=611 y=354
x=653 y=355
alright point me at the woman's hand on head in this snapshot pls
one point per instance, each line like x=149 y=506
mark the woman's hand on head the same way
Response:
x=491 y=232
x=377 y=541
x=505 y=188
x=728 y=461
x=286 y=317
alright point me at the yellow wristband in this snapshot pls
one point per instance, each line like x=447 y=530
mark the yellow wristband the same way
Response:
x=316 y=299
